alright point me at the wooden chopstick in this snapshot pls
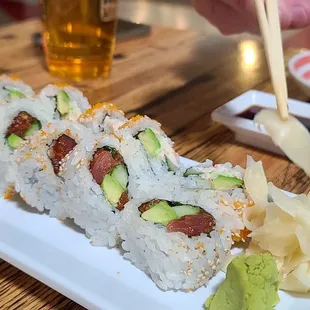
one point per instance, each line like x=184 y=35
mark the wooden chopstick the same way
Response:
x=269 y=23
x=275 y=27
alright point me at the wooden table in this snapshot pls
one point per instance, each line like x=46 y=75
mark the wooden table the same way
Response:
x=176 y=77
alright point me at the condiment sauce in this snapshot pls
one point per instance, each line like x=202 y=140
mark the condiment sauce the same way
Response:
x=253 y=110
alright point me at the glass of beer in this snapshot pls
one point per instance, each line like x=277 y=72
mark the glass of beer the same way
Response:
x=79 y=37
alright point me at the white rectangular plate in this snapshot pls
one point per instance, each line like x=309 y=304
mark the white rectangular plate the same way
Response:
x=59 y=255
x=245 y=130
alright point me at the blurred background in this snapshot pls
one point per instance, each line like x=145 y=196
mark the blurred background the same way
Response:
x=18 y=10
x=170 y=13
x=176 y=14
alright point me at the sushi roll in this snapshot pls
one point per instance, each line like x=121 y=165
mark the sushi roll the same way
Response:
x=66 y=103
x=18 y=121
x=103 y=117
x=12 y=88
x=148 y=152
x=181 y=246
x=97 y=189
x=227 y=185
x=41 y=161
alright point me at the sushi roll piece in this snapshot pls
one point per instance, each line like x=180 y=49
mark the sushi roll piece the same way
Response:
x=13 y=88
x=148 y=152
x=103 y=117
x=41 y=161
x=18 y=121
x=227 y=185
x=65 y=102
x=227 y=182
x=181 y=246
x=97 y=189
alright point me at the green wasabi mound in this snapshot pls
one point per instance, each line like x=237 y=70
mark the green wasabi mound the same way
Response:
x=252 y=283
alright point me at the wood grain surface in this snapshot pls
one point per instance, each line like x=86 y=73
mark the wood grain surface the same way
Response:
x=176 y=77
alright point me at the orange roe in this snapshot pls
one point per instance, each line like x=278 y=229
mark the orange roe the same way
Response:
x=200 y=246
x=9 y=193
x=136 y=118
x=68 y=132
x=238 y=205
x=244 y=233
x=242 y=236
x=15 y=77
x=91 y=112
x=61 y=84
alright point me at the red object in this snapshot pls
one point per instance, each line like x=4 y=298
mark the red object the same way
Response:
x=122 y=201
x=103 y=163
x=19 y=10
x=301 y=62
x=306 y=75
x=147 y=205
x=60 y=148
x=20 y=124
x=193 y=225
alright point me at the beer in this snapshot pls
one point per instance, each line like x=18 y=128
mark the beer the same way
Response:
x=79 y=37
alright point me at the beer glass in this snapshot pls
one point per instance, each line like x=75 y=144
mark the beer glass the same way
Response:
x=79 y=37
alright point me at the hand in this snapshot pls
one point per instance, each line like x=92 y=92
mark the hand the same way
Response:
x=237 y=16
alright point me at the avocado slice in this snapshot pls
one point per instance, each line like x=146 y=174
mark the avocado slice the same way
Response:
x=14 y=141
x=120 y=174
x=149 y=141
x=222 y=182
x=171 y=166
x=191 y=171
x=186 y=210
x=112 y=189
x=35 y=126
x=15 y=94
x=160 y=213
x=162 y=203
x=63 y=102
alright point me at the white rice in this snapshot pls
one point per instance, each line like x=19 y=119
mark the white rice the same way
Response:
x=7 y=83
x=103 y=117
x=79 y=103
x=36 y=181
x=7 y=114
x=86 y=202
x=143 y=167
x=174 y=260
